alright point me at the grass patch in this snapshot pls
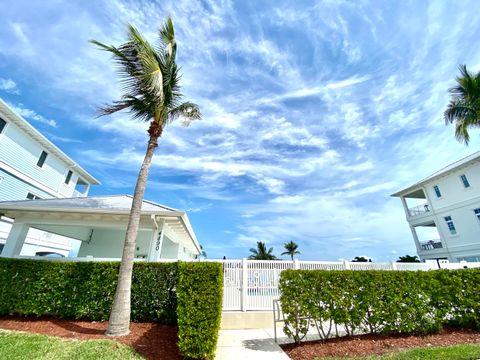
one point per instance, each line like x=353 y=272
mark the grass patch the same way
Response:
x=18 y=345
x=454 y=352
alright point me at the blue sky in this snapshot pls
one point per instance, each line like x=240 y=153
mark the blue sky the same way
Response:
x=314 y=112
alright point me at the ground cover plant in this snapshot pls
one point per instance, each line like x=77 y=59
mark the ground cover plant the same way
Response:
x=455 y=352
x=19 y=345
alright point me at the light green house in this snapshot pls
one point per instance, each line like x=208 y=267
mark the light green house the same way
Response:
x=100 y=224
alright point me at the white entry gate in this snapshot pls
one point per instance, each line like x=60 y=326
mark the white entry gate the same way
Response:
x=253 y=284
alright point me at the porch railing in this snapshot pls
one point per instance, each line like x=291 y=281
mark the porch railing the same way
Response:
x=431 y=244
x=419 y=210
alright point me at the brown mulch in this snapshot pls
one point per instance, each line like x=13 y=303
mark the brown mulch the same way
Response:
x=365 y=345
x=151 y=340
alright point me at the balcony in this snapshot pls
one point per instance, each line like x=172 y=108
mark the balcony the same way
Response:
x=419 y=210
x=431 y=244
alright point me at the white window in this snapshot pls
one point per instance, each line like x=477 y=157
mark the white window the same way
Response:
x=42 y=158
x=69 y=177
x=465 y=182
x=477 y=212
x=31 y=196
x=3 y=125
x=450 y=225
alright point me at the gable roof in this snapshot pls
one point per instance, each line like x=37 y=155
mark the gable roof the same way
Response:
x=459 y=164
x=24 y=125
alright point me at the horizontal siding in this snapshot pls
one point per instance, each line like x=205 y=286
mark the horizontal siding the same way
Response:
x=12 y=188
x=21 y=152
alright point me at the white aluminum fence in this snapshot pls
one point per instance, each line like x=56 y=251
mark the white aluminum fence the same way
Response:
x=253 y=284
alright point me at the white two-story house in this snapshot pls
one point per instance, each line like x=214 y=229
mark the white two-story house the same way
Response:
x=443 y=212
x=32 y=167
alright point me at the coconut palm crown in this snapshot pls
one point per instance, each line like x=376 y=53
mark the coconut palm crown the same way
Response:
x=149 y=79
x=464 y=107
x=291 y=248
x=261 y=252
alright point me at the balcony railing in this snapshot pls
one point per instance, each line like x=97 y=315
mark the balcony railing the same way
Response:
x=431 y=244
x=419 y=210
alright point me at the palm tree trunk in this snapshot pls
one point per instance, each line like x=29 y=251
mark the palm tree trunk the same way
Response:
x=119 y=321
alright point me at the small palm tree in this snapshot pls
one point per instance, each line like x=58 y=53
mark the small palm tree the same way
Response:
x=408 y=259
x=261 y=253
x=291 y=248
x=151 y=93
x=464 y=106
x=361 y=259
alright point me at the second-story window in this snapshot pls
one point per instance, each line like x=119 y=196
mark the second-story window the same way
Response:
x=41 y=159
x=69 y=176
x=437 y=191
x=477 y=212
x=450 y=225
x=31 y=196
x=3 y=124
x=465 y=182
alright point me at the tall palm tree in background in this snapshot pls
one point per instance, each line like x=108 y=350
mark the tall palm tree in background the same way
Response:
x=261 y=252
x=291 y=248
x=149 y=79
x=464 y=106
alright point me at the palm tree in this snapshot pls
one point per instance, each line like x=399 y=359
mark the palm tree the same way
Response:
x=361 y=259
x=291 y=248
x=408 y=259
x=150 y=83
x=464 y=106
x=261 y=253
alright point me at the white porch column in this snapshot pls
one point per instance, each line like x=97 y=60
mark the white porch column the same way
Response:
x=15 y=239
x=156 y=243
x=405 y=207
x=415 y=238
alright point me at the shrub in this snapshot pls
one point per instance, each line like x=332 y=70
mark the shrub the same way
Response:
x=85 y=290
x=199 y=308
x=379 y=301
x=161 y=292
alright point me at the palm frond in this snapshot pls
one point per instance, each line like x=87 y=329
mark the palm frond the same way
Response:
x=187 y=111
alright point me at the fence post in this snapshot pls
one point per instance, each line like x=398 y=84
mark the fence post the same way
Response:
x=393 y=264
x=296 y=264
x=346 y=265
x=244 y=284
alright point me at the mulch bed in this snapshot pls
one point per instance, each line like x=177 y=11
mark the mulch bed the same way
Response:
x=152 y=341
x=364 y=345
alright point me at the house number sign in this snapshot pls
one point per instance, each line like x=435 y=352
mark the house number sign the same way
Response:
x=157 y=247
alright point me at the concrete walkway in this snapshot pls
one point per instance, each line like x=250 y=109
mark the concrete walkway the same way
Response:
x=248 y=344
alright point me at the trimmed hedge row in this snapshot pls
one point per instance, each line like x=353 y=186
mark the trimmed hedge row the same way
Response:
x=199 y=308
x=85 y=290
x=379 y=301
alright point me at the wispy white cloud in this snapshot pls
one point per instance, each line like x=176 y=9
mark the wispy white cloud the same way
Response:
x=9 y=86
x=32 y=115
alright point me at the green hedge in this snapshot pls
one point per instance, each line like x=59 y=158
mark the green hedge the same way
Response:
x=379 y=301
x=85 y=290
x=199 y=308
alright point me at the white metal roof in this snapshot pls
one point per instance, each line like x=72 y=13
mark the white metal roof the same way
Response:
x=47 y=144
x=110 y=204
x=466 y=161
x=113 y=205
